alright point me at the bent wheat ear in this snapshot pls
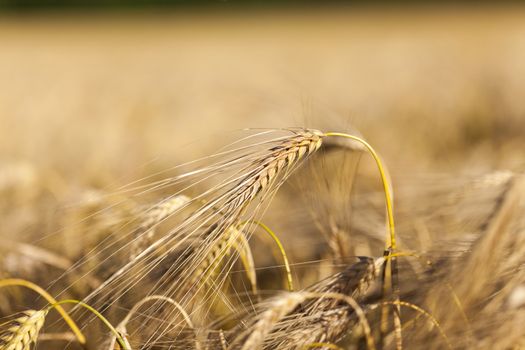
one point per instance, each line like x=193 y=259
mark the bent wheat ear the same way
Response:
x=23 y=283
x=281 y=158
x=279 y=308
x=259 y=176
x=297 y=320
x=23 y=331
x=154 y=216
x=245 y=253
x=262 y=175
x=163 y=209
x=234 y=240
x=255 y=171
x=208 y=268
x=308 y=324
x=241 y=184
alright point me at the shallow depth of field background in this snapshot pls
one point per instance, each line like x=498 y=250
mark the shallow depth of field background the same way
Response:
x=93 y=99
x=102 y=96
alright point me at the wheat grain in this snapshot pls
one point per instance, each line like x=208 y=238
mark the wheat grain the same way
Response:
x=144 y=234
x=327 y=319
x=23 y=331
x=277 y=309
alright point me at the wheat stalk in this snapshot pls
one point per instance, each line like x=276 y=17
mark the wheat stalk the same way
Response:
x=23 y=283
x=121 y=338
x=274 y=238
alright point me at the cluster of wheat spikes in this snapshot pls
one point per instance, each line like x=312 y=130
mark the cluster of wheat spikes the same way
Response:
x=183 y=273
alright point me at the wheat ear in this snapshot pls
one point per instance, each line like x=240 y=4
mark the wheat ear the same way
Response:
x=279 y=308
x=23 y=283
x=262 y=174
x=24 y=331
x=152 y=217
x=281 y=157
x=283 y=307
x=309 y=323
x=239 y=192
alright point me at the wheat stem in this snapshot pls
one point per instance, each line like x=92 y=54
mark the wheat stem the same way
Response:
x=23 y=283
x=281 y=249
x=454 y=295
x=390 y=242
x=423 y=312
x=169 y=300
x=384 y=180
x=123 y=344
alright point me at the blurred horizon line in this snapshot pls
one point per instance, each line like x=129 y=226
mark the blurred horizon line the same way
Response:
x=130 y=6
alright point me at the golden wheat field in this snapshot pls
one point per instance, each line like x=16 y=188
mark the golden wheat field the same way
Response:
x=314 y=178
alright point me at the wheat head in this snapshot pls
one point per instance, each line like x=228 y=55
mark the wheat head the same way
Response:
x=23 y=331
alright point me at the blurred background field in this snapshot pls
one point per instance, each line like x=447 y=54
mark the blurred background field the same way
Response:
x=94 y=99
x=100 y=95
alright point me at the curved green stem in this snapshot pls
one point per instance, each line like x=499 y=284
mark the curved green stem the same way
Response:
x=390 y=241
x=169 y=300
x=384 y=180
x=123 y=344
x=281 y=249
x=425 y=313
x=30 y=285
